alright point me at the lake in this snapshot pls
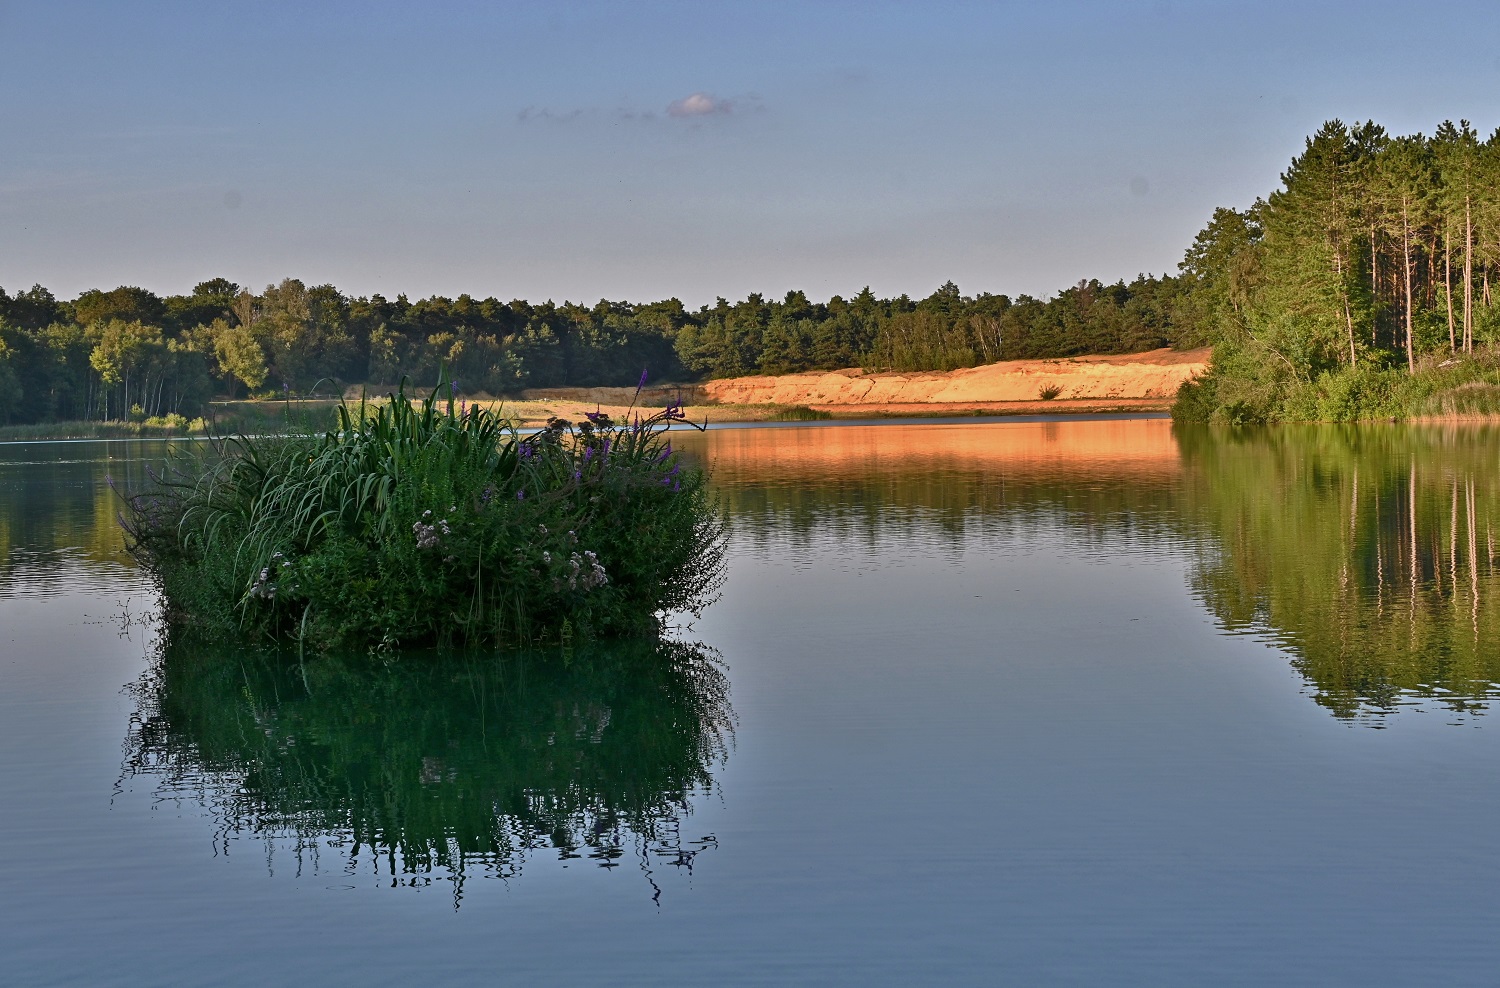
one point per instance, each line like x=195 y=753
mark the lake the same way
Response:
x=1075 y=702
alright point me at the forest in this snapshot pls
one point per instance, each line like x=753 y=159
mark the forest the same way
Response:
x=1363 y=287
x=128 y=353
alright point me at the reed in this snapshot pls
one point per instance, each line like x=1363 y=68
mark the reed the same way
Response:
x=801 y=413
x=414 y=523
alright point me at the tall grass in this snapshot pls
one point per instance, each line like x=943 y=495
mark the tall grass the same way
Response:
x=156 y=427
x=421 y=523
x=801 y=413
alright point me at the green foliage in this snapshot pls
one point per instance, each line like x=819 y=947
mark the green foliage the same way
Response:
x=1376 y=252
x=1047 y=392
x=425 y=523
x=98 y=356
x=11 y=393
x=800 y=413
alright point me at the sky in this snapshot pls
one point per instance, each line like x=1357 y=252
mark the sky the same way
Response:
x=640 y=151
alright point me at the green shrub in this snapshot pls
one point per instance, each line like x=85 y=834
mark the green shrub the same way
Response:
x=418 y=524
x=1197 y=398
x=801 y=413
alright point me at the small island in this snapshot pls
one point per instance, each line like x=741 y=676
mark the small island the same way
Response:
x=431 y=522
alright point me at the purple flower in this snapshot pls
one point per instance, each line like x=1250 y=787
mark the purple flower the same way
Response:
x=453 y=387
x=588 y=454
x=521 y=495
x=638 y=387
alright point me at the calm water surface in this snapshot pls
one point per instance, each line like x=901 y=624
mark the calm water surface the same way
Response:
x=1028 y=703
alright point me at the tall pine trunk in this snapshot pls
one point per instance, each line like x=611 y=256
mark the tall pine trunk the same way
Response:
x=1468 y=276
x=1448 y=290
x=1411 y=360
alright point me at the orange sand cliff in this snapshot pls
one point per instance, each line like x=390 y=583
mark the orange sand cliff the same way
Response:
x=1155 y=375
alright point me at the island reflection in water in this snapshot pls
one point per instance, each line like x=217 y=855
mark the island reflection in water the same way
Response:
x=424 y=768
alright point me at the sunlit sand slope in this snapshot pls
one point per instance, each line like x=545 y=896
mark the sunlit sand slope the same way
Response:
x=1153 y=375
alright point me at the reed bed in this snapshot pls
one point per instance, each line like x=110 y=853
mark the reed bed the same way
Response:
x=431 y=522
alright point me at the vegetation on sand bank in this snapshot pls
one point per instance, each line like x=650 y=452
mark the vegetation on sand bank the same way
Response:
x=411 y=524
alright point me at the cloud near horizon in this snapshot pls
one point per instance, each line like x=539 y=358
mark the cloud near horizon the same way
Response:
x=698 y=105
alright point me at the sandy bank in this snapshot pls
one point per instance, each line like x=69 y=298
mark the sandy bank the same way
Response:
x=1138 y=382
x=1155 y=375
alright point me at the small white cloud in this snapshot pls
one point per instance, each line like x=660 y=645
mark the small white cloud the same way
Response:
x=554 y=116
x=698 y=105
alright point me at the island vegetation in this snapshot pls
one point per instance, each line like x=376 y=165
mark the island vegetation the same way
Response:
x=431 y=523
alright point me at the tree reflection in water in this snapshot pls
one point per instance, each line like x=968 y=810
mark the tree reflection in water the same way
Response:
x=1368 y=552
x=424 y=768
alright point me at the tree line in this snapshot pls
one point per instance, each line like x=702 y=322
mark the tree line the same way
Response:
x=1373 y=262
x=128 y=352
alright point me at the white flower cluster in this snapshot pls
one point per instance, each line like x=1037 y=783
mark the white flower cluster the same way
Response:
x=585 y=572
x=265 y=585
x=430 y=534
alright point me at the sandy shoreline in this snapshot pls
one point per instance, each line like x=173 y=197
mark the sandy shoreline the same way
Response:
x=1138 y=382
x=533 y=412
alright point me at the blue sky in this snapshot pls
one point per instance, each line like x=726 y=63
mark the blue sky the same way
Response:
x=645 y=150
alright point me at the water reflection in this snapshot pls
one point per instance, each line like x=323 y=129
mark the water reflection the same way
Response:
x=58 y=516
x=424 y=768
x=1369 y=553
x=1064 y=486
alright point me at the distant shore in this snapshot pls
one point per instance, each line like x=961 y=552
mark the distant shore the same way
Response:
x=1088 y=385
x=531 y=414
x=1138 y=382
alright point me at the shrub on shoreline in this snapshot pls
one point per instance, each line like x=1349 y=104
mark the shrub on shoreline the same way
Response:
x=1239 y=390
x=800 y=413
x=424 y=524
